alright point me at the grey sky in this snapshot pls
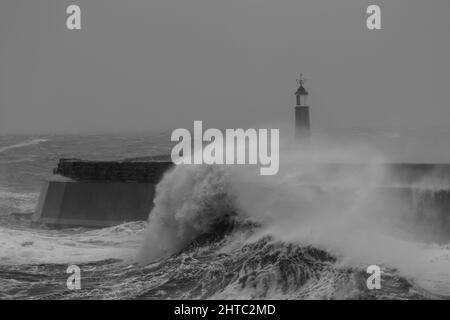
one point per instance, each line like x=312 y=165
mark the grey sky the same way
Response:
x=160 y=64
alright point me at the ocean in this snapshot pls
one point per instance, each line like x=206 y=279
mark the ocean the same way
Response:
x=216 y=232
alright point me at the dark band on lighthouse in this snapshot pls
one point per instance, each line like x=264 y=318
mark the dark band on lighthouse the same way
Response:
x=302 y=124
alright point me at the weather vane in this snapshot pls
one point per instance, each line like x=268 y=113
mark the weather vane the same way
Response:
x=300 y=80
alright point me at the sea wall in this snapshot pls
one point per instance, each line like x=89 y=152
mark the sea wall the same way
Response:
x=94 y=204
x=422 y=214
x=106 y=193
x=99 y=193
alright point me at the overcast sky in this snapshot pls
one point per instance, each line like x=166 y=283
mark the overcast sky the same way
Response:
x=160 y=64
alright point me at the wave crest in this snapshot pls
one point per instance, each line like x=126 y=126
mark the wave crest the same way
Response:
x=22 y=144
x=189 y=201
x=343 y=213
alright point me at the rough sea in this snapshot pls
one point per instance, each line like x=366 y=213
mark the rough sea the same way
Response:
x=216 y=232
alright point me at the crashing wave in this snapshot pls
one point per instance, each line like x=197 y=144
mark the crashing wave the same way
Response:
x=341 y=230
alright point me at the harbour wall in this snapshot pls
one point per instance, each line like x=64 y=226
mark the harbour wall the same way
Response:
x=93 y=203
x=101 y=194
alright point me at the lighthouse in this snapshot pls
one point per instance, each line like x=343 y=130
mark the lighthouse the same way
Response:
x=302 y=126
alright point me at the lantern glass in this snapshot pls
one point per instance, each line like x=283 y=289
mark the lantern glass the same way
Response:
x=303 y=100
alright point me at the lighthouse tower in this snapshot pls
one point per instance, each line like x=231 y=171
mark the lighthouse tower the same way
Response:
x=302 y=126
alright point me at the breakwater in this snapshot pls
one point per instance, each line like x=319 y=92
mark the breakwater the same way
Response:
x=106 y=193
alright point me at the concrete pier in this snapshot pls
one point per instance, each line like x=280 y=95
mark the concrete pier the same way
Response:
x=94 y=204
x=102 y=194
x=99 y=194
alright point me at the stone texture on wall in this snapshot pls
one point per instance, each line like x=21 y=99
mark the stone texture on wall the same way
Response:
x=137 y=171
